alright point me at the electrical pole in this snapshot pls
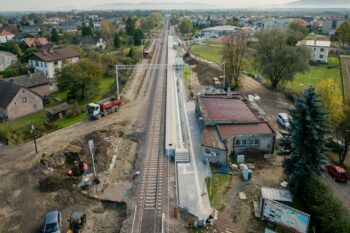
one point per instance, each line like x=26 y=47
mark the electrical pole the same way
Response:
x=36 y=148
x=117 y=82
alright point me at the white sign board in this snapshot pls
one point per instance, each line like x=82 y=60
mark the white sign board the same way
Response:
x=286 y=216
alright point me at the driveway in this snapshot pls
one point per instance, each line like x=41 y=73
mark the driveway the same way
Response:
x=271 y=102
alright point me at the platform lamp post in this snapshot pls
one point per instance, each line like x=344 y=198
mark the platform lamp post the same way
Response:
x=34 y=134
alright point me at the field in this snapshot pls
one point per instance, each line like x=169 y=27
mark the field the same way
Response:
x=345 y=67
x=316 y=74
x=211 y=53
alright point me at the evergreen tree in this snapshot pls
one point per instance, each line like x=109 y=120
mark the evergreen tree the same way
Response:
x=138 y=37
x=54 y=35
x=116 y=40
x=304 y=144
x=86 y=31
x=130 y=26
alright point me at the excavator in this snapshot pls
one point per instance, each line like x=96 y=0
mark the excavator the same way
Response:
x=77 y=222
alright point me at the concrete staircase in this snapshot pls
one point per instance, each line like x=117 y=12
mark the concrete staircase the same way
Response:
x=182 y=156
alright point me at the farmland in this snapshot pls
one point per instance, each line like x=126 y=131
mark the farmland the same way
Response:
x=345 y=68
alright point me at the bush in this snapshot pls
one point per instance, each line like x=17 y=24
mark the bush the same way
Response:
x=327 y=213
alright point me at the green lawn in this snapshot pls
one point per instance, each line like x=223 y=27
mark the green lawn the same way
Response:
x=316 y=74
x=25 y=121
x=211 y=53
x=220 y=185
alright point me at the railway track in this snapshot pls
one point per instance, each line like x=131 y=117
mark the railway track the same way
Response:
x=150 y=206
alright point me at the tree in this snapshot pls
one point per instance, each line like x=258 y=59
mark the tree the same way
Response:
x=186 y=26
x=54 y=35
x=233 y=53
x=86 y=31
x=81 y=78
x=296 y=32
x=343 y=32
x=138 y=36
x=340 y=144
x=116 y=40
x=130 y=26
x=278 y=60
x=107 y=29
x=132 y=53
x=332 y=100
x=304 y=143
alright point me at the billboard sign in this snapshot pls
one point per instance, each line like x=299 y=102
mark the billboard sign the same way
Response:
x=286 y=216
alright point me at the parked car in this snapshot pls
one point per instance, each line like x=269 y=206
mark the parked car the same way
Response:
x=283 y=120
x=260 y=79
x=337 y=173
x=53 y=222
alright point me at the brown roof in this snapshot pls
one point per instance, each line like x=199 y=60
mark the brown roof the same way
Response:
x=222 y=108
x=35 y=41
x=228 y=131
x=5 y=33
x=211 y=138
x=55 y=54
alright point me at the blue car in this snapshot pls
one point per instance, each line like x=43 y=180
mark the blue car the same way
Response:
x=52 y=223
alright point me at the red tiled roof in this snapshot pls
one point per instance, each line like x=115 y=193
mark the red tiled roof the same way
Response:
x=231 y=109
x=228 y=131
x=5 y=33
x=210 y=138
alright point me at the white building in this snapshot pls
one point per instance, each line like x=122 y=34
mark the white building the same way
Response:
x=330 y=26
x=282 y=24
x=218 y=30
x=7 y=59
x=49 y=61
x=6 y=36
x=319 y=49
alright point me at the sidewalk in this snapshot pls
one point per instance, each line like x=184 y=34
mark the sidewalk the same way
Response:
x=191 y=176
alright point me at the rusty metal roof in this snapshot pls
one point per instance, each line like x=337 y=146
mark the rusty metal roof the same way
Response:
x=211 y=138
x=228 y=131
x=223 y=108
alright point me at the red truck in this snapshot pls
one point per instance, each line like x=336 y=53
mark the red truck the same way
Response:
x=103 y=107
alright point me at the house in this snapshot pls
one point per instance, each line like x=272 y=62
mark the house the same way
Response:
x=68 y=27
x=51 y=60
x=96 y=26
x=319 y=50
x=7 y=59
x=36 y=82
x=229 y=125
x=35 y=42
x=17 y=101
x=90 y=43
x=58 y=112
x=6 y=36
x=34 y=30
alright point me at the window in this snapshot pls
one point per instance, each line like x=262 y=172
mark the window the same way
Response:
x=24 y=99
x=321 y=56
x=238 y=142
x=45 y=64
x=36 y=63
x=322 y=49
x=314 y=49
x=34 y=106
x=244 y=142
x=55 y=63
x=250 y=141
x=256 y=142
x=207 y=151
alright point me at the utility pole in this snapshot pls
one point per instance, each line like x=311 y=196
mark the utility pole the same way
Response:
x=36 y=148
x=224 y=75
x=117 y=82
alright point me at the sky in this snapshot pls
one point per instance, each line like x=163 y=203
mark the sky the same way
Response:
x=20 y=5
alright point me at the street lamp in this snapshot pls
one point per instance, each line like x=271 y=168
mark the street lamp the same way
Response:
x=34 y=133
